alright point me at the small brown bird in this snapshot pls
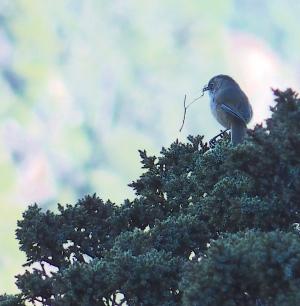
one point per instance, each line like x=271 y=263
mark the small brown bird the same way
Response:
x=229 y=105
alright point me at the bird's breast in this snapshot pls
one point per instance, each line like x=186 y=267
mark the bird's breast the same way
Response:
x=222 y=117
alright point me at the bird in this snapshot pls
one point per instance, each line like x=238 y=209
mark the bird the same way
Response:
x=229 y=105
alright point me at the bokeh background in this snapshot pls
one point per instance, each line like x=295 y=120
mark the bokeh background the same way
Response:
x=84 y=84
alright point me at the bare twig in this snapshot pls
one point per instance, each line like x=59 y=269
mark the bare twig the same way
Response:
x=186 y=107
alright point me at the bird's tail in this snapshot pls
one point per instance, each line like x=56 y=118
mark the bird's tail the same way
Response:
x=238 y=131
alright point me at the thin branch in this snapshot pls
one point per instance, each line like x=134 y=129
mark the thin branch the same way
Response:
x=114 y=299
x=196 y=99
x=38 y=300
x=213 y=141
x=43 y=268
x=187 y=106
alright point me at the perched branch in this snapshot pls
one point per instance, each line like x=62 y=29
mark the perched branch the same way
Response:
x=214 y=140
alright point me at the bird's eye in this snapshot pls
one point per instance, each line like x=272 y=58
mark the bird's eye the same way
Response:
x=210 y=86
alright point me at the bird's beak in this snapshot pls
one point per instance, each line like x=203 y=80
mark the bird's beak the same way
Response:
x=205 y=88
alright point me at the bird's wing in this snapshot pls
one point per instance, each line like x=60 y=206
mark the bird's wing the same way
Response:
x=235 y=103
x=229 y=110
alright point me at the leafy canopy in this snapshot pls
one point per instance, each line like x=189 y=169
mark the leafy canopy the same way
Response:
x=208 y=226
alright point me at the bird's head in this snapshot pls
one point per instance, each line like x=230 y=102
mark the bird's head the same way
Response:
x=217 y=82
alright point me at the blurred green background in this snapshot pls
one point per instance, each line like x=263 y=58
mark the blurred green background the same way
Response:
x=85 y=84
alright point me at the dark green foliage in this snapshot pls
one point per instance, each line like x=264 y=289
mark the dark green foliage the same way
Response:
x=251 y=268
x=132 y=274
x=209 y=226
x=11 y=300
